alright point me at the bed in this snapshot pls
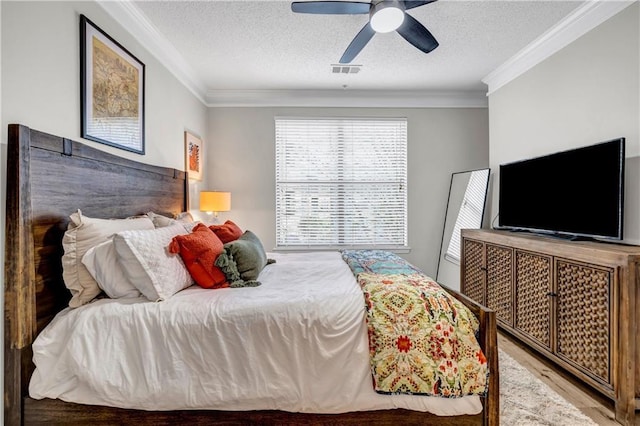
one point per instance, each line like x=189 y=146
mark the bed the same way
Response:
x=47 y=175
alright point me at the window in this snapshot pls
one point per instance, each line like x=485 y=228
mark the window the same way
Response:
x=341 y=182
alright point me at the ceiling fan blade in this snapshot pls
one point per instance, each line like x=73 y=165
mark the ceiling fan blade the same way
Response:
x=357 y=44
x=331 y=7
x=415 y=33
x=410 y=4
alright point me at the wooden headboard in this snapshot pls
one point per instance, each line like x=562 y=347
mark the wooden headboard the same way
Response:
x=48 y=178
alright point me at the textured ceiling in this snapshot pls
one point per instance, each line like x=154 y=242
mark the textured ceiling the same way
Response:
x=262 y=45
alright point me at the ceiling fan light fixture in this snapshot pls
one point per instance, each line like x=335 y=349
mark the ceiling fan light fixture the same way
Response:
x=387 y=16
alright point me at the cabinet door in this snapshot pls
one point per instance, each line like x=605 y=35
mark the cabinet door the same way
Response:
x=473 y=270
x=500 y=282
x=584 y=326
x=533 y=296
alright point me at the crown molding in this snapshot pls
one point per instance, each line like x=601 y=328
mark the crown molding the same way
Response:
x=129 y=16
x=346 y=98
x=579 y=22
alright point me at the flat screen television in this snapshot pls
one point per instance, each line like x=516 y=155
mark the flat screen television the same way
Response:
x=573 y=194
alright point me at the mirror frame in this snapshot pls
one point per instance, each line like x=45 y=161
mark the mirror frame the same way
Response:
x=450 y=208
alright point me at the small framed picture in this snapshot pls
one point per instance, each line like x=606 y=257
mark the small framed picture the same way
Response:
x=112 y=88
x=194 y=155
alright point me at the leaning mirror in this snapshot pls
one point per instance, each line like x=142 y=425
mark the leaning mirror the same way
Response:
x=465 y=209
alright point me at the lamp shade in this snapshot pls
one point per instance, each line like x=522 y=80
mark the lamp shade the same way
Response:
x=215 y=201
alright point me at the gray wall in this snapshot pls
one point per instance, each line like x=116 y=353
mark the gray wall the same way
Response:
x=40 y=84
x=586 y=93
x=440 y=142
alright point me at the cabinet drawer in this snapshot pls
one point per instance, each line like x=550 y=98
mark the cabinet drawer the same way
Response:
x=584 y=316
x=533 y=296
x=500 y=282
x=473 y=274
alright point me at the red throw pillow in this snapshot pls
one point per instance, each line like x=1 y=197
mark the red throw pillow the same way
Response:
x=199 y=251
x=227 y=232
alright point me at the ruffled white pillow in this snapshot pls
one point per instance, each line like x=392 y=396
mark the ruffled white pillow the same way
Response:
x=83 y=233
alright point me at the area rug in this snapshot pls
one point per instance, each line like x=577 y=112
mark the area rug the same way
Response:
x=525 y=400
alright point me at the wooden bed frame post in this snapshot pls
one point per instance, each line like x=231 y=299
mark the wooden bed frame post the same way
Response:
x=489 y=343
x=19 y=296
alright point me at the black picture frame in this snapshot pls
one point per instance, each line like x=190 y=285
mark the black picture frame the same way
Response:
x=112 y=82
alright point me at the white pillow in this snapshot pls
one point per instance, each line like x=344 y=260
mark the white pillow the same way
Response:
x=183 y=218
x=147 y=263
x=159 y=220
x=83 y=233
x=102 y=263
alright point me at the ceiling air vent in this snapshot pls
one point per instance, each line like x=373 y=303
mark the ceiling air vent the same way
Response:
x=345 y=69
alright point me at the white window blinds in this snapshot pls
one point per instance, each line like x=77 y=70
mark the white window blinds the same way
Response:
x=341 y=182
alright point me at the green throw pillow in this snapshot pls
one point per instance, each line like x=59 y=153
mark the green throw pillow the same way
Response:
x=248 y=254
x=228 y=266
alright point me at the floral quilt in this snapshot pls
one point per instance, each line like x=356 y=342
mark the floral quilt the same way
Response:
x=421 y=339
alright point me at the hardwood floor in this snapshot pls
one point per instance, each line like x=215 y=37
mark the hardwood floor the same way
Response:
x=592 y=404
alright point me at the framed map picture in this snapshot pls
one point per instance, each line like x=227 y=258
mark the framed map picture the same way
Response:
x=112 y=88
x=194 y=155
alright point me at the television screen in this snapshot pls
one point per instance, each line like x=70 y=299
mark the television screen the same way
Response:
x=574 y=193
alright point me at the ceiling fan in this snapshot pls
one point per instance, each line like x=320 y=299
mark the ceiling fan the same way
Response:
x=384 y=16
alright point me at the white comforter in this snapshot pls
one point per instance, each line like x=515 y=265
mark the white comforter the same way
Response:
x=296 y=343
